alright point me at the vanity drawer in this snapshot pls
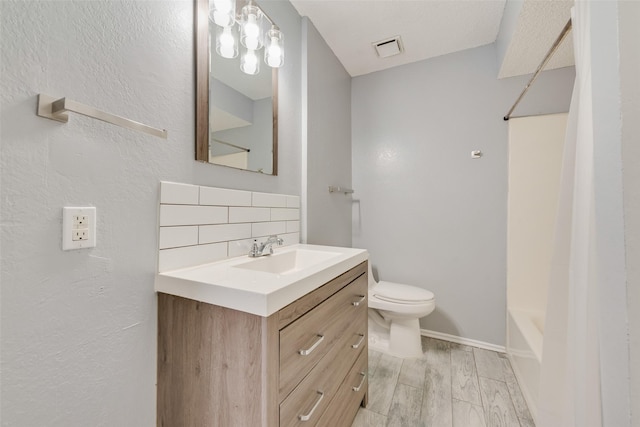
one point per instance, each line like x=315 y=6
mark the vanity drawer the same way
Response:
x=344 y=406
x=312 y=396
x=304 y=342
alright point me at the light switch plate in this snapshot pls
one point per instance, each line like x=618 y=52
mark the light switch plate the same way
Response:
x=78 y=228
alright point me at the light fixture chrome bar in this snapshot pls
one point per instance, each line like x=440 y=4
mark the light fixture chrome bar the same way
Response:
x=56 y=109
x=338 y=189
x=241 y=3
x=552 y=50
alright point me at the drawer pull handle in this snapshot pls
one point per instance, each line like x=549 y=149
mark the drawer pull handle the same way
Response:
x=360 y=301
x=308 y=416
x=364 y=377
x=313 y=347
x=356 y=345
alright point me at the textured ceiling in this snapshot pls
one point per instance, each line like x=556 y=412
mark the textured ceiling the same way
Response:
x=431 y=28
x=539 y=24
x=428 y=28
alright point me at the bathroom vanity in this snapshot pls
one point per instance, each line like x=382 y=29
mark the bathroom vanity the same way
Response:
x=295 y=354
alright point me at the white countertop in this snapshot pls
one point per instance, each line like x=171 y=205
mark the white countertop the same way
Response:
x=223 y=283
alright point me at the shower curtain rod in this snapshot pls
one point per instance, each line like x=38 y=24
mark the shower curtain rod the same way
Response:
x=231 y=145
x=554 y=47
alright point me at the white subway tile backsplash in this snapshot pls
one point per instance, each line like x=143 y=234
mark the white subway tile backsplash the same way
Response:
x=173 y=237
x=269 y=200
x=285 y=214
x=290 y=238
x=192 y=215
x=224 y=197
x=173 y=193
x=171 y=259
x=224 y=232
x=293 y=226
x=268 y=228
x=240 y=247
x=201 y=224
x=249 y=214
x=293 y=201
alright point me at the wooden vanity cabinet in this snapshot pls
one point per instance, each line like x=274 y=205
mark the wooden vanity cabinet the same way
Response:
x=305 y=365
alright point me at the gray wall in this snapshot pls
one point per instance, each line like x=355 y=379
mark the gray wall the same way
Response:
x=230 y=100
x=256 y=136
x=79 y=328
x=430 y=215
x=327 y=152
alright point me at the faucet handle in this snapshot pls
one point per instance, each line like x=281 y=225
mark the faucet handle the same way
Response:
x=255 y=250
x=275 y=239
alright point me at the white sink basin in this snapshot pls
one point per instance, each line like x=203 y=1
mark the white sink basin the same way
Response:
x=262 y=285
x=287 y=262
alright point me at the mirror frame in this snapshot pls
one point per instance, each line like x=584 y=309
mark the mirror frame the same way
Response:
x=202 y=52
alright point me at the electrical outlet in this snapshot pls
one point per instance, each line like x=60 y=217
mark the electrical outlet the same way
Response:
x=78 y=228
x=79 y=234
x=80 y=221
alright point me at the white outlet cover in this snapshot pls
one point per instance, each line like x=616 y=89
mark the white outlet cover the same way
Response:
x=68 y=227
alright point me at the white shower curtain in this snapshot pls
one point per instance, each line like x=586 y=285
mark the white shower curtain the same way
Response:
x=569 y=393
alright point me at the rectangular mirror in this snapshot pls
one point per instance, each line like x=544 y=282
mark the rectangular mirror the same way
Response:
x=236 y=112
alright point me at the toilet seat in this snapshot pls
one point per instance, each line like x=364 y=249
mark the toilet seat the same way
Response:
x=401 y=294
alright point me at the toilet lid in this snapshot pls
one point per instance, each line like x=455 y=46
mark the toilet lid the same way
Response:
x=402 y=294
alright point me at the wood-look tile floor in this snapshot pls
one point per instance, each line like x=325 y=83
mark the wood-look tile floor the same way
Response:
x=452 y=385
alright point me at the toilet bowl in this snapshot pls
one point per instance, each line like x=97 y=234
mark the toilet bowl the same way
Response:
x=394 y=313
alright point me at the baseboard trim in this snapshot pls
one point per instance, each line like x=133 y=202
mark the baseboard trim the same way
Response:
x=463 y=341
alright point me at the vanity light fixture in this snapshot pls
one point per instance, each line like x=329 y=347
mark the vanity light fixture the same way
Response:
x=252 y=37
x=249 y=63
x=273 y=50
x=226 y=42
x=251 y=27
x=223 y=12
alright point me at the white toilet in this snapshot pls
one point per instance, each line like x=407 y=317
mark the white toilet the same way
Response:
x=394 y=313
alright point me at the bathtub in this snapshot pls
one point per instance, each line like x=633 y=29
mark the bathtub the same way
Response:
x=525 y=330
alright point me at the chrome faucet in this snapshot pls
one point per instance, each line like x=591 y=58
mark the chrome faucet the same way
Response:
x=258 y=250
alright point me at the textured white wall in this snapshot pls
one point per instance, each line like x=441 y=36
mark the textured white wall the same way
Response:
x=79 y=328
x=328 y=142
x=430 y=215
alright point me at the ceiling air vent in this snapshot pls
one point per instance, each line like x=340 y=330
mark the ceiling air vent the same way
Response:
x=389 y=47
